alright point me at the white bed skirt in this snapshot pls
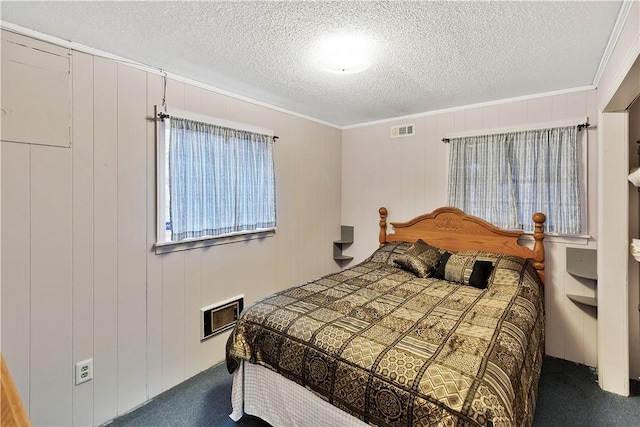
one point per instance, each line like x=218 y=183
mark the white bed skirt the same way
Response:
x=263 y=393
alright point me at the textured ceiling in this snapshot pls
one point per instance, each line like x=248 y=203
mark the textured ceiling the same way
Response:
x=424 y=55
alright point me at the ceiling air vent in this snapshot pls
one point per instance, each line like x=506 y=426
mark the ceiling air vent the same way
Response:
x=402 y=131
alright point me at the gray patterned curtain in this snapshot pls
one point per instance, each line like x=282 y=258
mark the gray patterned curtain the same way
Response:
x=506 y=178
x=221 y=180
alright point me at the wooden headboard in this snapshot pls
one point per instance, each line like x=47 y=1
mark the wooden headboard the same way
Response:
x=451 y=229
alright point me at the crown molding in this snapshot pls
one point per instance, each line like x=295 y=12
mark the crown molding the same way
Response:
x=613 y=39
x=470 y=106
x=150 y=69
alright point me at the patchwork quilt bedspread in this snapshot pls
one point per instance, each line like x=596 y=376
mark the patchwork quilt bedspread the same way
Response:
x=396 y=350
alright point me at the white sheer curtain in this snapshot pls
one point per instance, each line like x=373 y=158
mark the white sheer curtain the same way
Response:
x=221 y=180
x=506 y=178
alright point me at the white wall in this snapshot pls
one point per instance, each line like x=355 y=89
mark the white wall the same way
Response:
x=80 y=278
x=409 y=177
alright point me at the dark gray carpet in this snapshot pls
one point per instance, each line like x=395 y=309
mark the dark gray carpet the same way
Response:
x=203 y=400
x=568 y=396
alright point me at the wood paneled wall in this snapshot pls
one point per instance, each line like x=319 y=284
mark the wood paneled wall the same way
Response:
x=371 y=178
x=80 y=278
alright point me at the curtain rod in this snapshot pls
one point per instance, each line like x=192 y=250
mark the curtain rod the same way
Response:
x=579 y=126
x=163 y=116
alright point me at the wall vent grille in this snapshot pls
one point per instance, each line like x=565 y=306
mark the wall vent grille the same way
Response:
x=219 y=317
x=403 y=131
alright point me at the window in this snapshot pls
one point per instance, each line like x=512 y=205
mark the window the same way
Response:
x=215 y=179
x=506 y=178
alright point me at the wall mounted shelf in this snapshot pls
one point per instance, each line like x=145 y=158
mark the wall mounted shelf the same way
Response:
x=346 y=238
x=583 y=263
x=580 y=299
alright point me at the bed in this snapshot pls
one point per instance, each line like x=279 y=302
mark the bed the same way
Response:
x=442 y=325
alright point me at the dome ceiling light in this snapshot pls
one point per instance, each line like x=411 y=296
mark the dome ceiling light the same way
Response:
x=344 y=55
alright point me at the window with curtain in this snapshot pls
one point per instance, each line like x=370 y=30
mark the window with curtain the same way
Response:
x=506 y=178
x=218 y=181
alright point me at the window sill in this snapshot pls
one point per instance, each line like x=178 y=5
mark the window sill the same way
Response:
x=204 y=242
x=557 y=238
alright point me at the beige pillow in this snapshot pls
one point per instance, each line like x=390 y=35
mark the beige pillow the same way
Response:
x=420 y=259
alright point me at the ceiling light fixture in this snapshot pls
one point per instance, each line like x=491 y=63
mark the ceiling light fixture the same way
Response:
x=344 y=55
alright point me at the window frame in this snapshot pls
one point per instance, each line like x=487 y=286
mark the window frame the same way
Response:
x=163 y=129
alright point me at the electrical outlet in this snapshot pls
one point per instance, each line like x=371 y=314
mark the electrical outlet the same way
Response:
x=84 y=371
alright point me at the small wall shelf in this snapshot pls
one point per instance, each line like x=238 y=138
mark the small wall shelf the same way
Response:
x=582 y=263
x=346 y=238
x=580 y=299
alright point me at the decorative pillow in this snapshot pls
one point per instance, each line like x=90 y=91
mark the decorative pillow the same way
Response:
x=413 y=264
x=418 y=247
x=420 y=259
x=389 y=252
x=439 y=273
x=480 y=275
x=464 y=269
x=498 y=260
x=430 y=255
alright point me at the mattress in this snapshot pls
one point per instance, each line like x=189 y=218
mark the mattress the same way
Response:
x=292 y=405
